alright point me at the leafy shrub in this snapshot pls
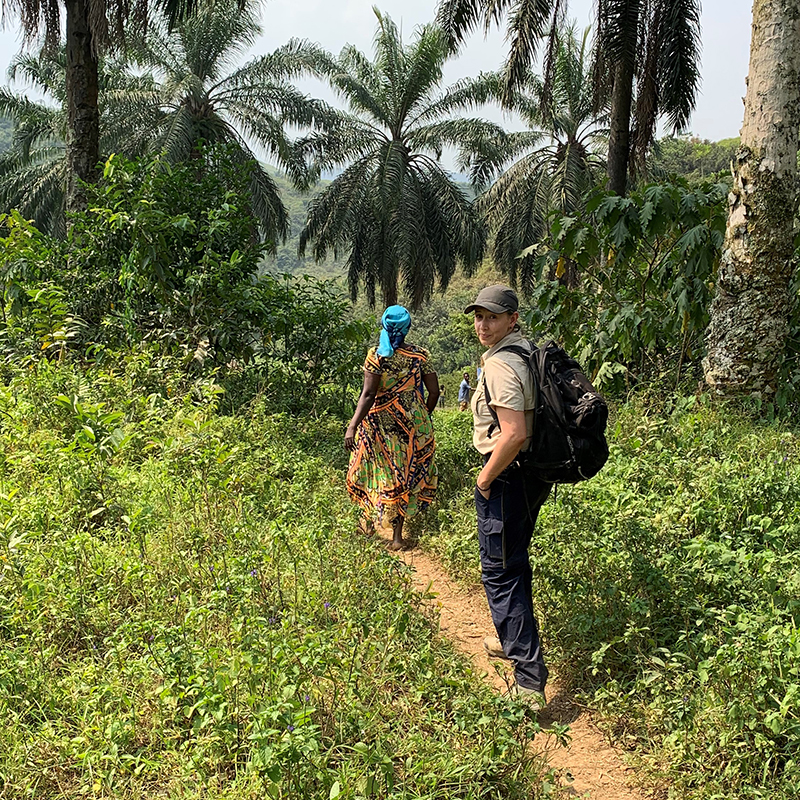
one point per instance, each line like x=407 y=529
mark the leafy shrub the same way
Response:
x=165 y=266
x=644 y=266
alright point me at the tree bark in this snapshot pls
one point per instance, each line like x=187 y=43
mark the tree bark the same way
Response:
x=620 y=128
x=83 y=116
x=749 y=323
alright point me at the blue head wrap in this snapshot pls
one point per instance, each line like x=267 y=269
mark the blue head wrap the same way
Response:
x=395 y=321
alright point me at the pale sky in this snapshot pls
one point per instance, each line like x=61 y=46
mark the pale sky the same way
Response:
x=334 y=23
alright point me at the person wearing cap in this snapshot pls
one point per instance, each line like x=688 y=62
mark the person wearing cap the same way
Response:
x=392 y=472
x=507 y=501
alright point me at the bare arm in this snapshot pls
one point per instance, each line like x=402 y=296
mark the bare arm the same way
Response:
x=431 y=381
x=513 y=432
x=365 y=403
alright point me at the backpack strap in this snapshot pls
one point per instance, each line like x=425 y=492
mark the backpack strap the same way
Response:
x=525 y=356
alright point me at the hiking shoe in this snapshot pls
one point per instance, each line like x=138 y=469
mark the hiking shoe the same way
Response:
x=533 y=698
x=494 y=648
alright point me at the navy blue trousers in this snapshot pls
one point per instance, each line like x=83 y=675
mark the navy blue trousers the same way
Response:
x=505 y=526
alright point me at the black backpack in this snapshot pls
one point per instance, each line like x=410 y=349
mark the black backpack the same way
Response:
x=568 y=443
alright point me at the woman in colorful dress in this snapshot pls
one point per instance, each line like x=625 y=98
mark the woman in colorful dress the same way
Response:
x=392 y=473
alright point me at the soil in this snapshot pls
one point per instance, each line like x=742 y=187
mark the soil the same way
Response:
x=588 y=766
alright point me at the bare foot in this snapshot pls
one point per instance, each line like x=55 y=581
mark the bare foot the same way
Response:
x=399 y=544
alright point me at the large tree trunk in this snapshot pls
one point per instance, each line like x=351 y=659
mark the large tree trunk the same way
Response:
x=619 y=137
x=83 y=124
x=750 y=312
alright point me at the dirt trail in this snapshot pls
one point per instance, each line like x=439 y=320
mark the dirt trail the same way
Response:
x=588 y=767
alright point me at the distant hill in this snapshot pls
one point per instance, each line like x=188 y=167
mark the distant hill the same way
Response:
x=694 y=159
x=287 y=259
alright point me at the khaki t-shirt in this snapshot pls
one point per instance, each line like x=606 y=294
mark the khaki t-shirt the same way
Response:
x=510 y=386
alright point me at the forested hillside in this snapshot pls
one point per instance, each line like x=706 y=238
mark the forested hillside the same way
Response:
x=694 y=159
x=287 y=259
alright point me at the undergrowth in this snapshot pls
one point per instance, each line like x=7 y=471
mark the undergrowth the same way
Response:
x=186 y=612
x=669 y=591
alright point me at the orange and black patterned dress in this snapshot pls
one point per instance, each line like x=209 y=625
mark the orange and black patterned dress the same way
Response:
x=392 y=470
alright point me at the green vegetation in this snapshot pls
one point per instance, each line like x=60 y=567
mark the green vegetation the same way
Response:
x=174 y=93
x=168 y=262
x=643 y=269
x=694 y=159
x=187 y=611
x=669 y=589
x=6 y=133
x=33 y=169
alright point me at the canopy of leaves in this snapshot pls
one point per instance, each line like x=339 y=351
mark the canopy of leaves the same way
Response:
x=647 y=265
x=192 y=92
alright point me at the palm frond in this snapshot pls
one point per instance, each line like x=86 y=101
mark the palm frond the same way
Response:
x=678 y=74
x=424 y=63
x=36 y=186
x=265 y=198
x=531 y=22
x=459 y=18
x=466 y=94
x=556 y=161
x=355 y=81
x=344 y=139
x=333 y=215
x=45 y=70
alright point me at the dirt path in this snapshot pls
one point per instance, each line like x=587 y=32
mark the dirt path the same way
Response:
x=588 y=767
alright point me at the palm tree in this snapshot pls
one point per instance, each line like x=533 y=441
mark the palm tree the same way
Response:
x=91 y=27
x=559 y=162
x=400 y=217
x=191 y=97
x=643 y=49
x=33 y=172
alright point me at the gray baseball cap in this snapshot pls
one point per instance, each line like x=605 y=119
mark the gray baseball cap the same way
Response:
x=498 y=298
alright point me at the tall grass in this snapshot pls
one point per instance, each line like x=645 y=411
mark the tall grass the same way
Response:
x=187 y=612
x=670 y=592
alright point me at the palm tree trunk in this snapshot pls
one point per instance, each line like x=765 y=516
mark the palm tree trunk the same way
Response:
x=749 y=323
x=83 y=123
x=389 y=292
x=620 y=127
